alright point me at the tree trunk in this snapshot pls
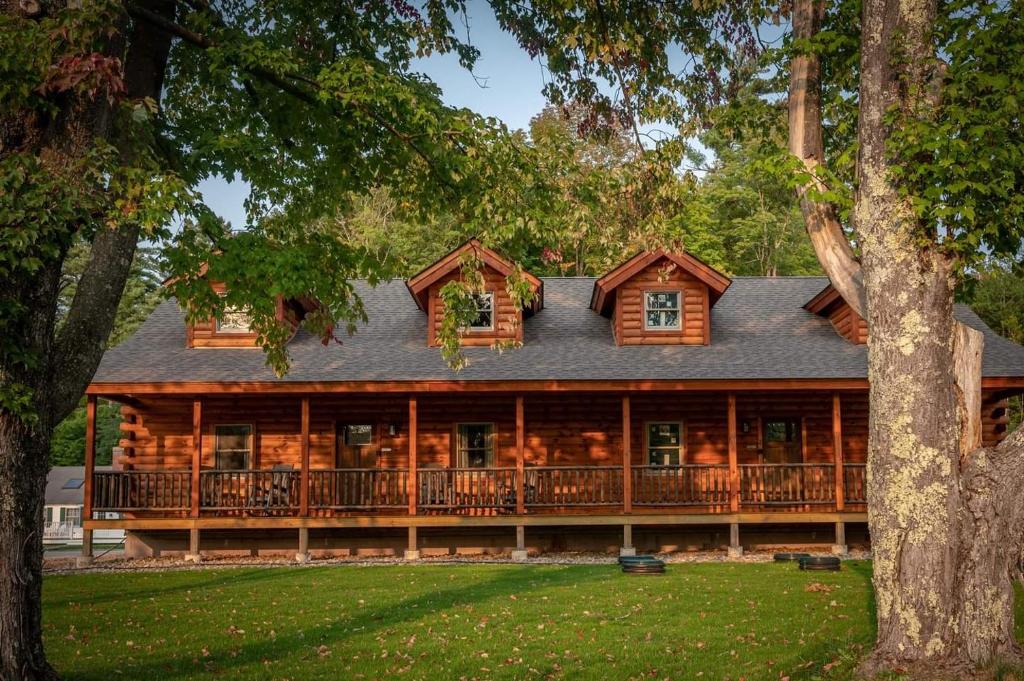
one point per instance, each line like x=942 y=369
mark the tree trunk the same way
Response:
x=944 y=514
x=65 y=362
x=23 y=466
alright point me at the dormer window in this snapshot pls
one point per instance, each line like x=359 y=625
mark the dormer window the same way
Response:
x=484 y=312
x=662 y=311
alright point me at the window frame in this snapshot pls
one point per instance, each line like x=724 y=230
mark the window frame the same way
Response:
x=221 y=331
x=645 y=293
x=681 y=448
x=250 y=450
x=473 y=328
x=345 y=432
x=490 y=449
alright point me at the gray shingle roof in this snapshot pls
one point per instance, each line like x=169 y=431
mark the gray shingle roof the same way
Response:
x=58 y=477
x=759 y=331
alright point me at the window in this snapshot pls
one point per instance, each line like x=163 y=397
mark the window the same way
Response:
x=74 y=517
x=475 y=445
x=661 y=310
x=49 y=515
x=484 y=312
x=73 y=483
x=781 y=431
x=233 y=320
x=232 y=447
x=358 y=436
x=664 y=444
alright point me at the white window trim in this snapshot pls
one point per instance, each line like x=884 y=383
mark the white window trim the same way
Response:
x=459 y=462
x=679 y=301
x=647 y=441
x=490 y=327
x=252 y=440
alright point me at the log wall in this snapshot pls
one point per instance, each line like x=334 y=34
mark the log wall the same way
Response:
x=508 y=319
x=628 y=317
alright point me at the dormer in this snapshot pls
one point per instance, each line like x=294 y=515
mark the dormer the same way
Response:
x=660 y=298
x=844 y=318
x=498 y=317
x=233 y=330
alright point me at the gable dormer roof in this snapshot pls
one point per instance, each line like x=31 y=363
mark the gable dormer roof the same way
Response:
x=603 y=297
x=420 y=283
x=830 y=304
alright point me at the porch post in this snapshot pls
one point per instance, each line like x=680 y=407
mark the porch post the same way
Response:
x=193 y=546
x=90 y=465
x=197 y=453
x=304 y=475
x=520 y=458
x=520 y=555
x=837 y=449
x=627 y=459
x=734 y=468
x=413 y=552
x=302 y=556
x=412 y=486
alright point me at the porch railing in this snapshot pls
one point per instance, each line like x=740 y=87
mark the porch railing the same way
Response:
x=141 y=490
x=358 y=488
x=256 y=491
x=684 y=485
x=554 y=486
x=787 y=483
x=855 y=483
x=454 y=489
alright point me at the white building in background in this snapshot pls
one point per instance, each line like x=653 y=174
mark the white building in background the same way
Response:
x=62 y=514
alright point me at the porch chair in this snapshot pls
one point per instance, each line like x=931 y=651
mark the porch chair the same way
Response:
x=275 y=495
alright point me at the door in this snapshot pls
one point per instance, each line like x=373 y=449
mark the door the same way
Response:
x=783 y=444
x=783 y=441
x=357 y=446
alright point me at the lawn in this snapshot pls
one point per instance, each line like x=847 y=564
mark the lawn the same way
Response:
x=706 y=621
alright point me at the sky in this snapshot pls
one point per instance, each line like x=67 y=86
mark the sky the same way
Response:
x=507 y=85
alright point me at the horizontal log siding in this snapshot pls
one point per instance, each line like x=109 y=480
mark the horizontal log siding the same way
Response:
x=629 y=308
x=849 y=324
x=560 y=430
x=507 y=318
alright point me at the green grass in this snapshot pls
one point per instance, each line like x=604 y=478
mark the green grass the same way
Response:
x=699 y=621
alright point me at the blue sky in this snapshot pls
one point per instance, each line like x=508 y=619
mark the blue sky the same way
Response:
x=507 y=85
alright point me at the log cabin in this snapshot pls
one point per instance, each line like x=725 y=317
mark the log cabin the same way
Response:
x=661 y=399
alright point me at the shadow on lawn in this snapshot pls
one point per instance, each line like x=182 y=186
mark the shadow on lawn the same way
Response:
x=211 y=579
x=303 y=644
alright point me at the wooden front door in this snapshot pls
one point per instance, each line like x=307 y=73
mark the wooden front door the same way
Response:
x=357 y=445
x=783 y=441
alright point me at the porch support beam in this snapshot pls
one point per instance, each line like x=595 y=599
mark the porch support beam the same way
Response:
x=197 y=453
x=193 y=546
x=302 y=556
x=413 y=550
x=90 y=466
x=735 y=548
x=304 y=470
x=627 y=541
x=837 y=449
x=734 y=469
x=627 y=458
x=520 y=554
x=840 y=548
x=520 y=459
x=412 y=484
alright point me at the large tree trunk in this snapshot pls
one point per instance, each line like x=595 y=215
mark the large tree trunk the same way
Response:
x=944 y=514
x=64 y=362
x=23 y=467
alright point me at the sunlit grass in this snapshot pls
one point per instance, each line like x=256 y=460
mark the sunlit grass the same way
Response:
x=699 y=621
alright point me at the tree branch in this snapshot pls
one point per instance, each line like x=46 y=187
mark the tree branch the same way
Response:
x=805 y=142
x=285 y=82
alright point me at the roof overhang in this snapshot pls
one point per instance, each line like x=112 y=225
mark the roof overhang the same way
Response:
x=603 y=297
x=420 y=283
x=825 y=301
